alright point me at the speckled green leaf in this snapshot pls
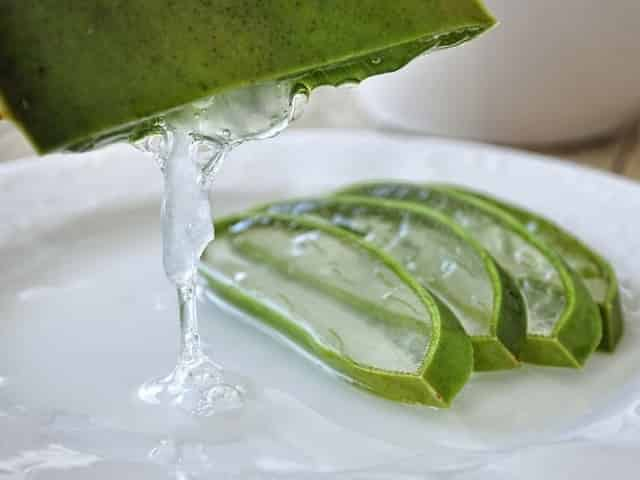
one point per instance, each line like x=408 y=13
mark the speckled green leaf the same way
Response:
x=75 y=70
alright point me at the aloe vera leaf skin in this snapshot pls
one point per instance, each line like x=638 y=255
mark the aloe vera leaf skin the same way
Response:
x=75 y=70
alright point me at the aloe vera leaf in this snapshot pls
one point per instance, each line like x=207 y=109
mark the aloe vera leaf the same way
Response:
x=75 y=70
x=410 y=349
x=444 y=259
x=563 y=321
x=597 y=274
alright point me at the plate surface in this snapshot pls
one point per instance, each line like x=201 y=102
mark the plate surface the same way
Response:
x=87 y=316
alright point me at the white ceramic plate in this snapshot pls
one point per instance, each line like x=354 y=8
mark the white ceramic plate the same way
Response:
x=86 y=316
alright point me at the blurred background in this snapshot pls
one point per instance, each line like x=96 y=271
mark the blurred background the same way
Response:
x=561 y=78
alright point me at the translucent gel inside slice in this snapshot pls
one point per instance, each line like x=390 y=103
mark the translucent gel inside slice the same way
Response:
x=537 y=278
x=342 y=296
x=579 y=260
x=437 y=257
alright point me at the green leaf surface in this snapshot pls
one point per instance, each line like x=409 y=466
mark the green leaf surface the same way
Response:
x=75 y=70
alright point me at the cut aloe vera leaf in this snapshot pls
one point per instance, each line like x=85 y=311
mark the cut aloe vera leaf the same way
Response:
x=78 y=70
x=444 y=259
x=596 y=273
x=345 y=302
x=563 y=321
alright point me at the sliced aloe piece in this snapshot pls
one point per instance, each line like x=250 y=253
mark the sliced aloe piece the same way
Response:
x=76 y=70
x=344 y=301
x=444 y=259
x=596 y=273
x=563 y=321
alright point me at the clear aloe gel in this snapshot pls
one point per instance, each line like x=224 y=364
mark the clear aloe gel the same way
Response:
x=297 y=271
x=190 y=146
x=563 y=321
x=597 y=274
x=444 y=259
x=346 y=303
x=451 y=269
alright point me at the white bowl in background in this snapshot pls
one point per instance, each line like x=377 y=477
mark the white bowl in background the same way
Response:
x=551 y=72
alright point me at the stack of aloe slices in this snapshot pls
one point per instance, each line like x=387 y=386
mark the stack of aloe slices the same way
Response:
x=405 y=289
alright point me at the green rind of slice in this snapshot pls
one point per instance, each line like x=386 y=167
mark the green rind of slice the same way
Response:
x=576 y=332
x=588 y=264
x=499 y=347
x=574 y=339
x=75 y=71
x=448 y=360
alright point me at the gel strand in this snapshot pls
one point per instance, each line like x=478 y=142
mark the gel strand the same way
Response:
x=190 y=145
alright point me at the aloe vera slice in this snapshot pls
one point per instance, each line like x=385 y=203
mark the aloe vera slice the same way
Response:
x=76 y=70
x=595 y=271
x=563 y=321
x=345 y=302
x=444 y=259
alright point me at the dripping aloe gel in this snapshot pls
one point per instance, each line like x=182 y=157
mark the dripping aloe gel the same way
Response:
x=190 y=145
